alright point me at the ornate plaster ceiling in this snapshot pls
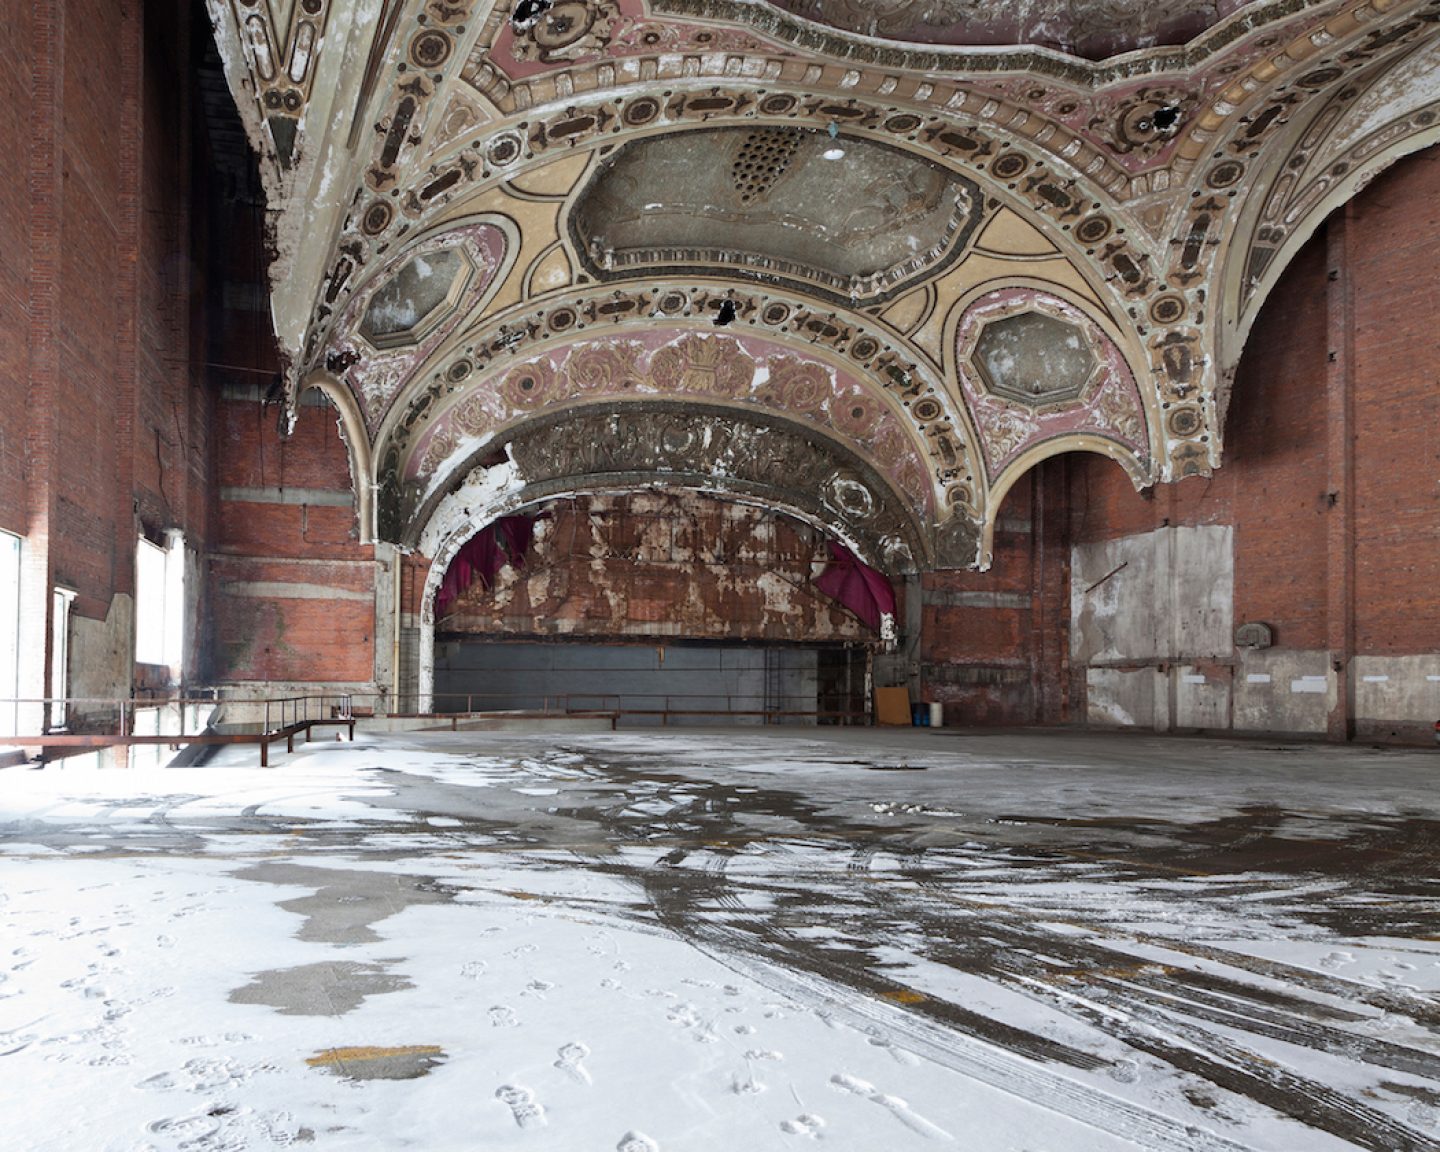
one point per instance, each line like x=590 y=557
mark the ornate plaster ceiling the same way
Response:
x=1030 y=245
x=1094 y=29
x=845 y=216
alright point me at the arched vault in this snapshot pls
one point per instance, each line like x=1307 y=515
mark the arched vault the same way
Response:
x=854 y=231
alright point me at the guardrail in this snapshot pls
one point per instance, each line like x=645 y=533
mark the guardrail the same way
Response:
x=667 y=707
x=111 y=722
x=98 y=722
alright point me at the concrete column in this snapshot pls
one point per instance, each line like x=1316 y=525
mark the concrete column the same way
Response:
x=1340 y=475
x=387 y=621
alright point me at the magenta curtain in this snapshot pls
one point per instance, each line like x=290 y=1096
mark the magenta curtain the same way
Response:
x=857 y=586
x=482 y=557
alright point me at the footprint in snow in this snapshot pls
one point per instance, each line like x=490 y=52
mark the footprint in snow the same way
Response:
x=684 y=1015
x=899 y=1055
x=634 y=1141
x=522 y=1105
x=503 y=1017
x=571 y=1056
x=191 y=1131
x=473 y=969
x=807 y=1124
x=897 y=1107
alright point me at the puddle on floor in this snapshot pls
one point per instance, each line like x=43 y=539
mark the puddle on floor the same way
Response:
x=406 y=1063
x=325 y=989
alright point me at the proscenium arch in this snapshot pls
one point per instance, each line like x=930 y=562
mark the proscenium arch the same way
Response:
x=1037 y=454
x=754 y=457
x=752 y=349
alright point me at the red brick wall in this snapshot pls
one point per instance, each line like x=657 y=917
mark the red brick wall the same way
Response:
x=1281 y=466
x=98 y=416
x=1394 y=256
x=1275 y=456
x=16 y=91
x=995 y=644
x=293 y=591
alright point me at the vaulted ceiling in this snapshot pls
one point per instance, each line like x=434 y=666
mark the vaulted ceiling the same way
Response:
x=862 y=261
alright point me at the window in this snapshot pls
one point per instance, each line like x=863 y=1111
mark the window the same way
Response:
x=9 y=632
x=60 y=601
x=160 y=603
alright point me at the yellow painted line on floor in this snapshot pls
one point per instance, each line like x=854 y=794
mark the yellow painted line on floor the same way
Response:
x=352 y=1055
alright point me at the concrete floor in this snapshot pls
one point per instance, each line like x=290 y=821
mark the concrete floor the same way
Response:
x=1094 y=941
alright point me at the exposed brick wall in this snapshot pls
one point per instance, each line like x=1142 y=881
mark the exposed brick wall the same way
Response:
x=16 y=226
x=1395 y=278
x=292 y=589
x=97 y=414
x=1275 y=458
x=292 y=620
x=995 y=644
x=1283 y=485
x=1273 y=485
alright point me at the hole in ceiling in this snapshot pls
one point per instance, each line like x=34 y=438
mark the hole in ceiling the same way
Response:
x=527 y=12
x=1166 y=118
x=726 y=315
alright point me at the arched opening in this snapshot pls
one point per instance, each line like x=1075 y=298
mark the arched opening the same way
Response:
x=666 y=606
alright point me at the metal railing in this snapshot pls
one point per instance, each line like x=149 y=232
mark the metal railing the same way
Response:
x=664 y=707
x=93 y=723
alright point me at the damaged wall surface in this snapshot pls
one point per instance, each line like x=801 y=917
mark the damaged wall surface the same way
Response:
x=661 y=565
x=1324 y=525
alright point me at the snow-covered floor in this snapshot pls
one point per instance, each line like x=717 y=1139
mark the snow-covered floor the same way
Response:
x=725 y=941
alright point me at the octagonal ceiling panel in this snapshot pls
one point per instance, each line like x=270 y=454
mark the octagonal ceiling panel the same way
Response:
x=851 y=218
x=1034 y=358
x=1093 y=29
x=421 y=294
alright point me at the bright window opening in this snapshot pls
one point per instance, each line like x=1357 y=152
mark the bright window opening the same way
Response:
x=160 y=603
x=60 y=601
x=9 y=632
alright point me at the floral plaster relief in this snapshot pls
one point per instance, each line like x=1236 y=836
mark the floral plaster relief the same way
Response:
x=694 y=366
x=573 y=32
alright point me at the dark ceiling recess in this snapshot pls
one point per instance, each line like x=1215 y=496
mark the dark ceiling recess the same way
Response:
x=232 y=172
